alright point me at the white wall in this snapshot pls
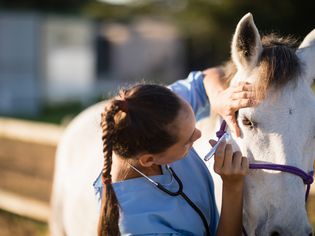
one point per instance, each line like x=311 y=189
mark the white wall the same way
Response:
x=19 y=87
x=69 y=55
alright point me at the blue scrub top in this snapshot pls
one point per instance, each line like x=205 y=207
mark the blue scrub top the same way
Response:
x=146 y=210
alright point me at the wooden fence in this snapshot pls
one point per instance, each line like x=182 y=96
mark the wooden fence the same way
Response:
x=27 y=151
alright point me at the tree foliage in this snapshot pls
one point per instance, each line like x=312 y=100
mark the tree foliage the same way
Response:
x=206 y=25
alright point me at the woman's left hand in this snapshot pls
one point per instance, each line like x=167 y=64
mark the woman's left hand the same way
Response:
x=227 y=100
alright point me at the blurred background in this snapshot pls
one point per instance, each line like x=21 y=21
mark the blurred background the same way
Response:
x=59 y=56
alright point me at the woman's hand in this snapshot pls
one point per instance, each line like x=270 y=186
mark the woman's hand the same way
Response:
x=231 y=166
x=227 y=100
x=230 y=100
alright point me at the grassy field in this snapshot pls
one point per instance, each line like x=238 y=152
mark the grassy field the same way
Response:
x=57 y=114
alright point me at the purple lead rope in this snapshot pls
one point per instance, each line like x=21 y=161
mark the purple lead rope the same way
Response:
x=306 y=177
x=222 y=130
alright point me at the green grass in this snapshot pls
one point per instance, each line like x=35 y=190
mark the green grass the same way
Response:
x=56 y=114
x=60 y=113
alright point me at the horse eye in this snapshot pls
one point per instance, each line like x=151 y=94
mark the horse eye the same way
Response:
x=248 y=122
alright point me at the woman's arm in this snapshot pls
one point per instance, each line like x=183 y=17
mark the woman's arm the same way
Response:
x=192 y=91
x=230 y=222
x=208 y=88
x=232 y=167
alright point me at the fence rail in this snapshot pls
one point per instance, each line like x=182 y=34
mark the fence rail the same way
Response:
x=27 y=151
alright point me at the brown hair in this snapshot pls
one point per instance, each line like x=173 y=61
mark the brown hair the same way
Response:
x=136 y=121
x=278 y=64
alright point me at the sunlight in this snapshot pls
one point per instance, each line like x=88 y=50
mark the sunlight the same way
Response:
x=117 y=2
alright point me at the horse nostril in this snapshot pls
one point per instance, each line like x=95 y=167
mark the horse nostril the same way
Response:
x=274 y=233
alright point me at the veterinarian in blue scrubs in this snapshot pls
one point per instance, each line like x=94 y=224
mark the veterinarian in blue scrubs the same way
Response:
x=155 y=183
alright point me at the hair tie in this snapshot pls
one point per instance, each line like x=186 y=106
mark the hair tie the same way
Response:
x=107 y=180
x=123 y=105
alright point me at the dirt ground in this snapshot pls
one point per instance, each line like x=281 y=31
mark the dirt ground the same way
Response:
x=19 y=226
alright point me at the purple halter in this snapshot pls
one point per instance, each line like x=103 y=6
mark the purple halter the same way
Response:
x=306 y=177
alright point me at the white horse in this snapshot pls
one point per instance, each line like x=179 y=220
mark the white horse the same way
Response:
x=280 y=130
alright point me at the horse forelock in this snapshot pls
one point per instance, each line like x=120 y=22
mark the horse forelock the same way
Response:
x=278 y=64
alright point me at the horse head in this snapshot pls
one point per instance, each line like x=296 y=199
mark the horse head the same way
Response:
x=280 y=130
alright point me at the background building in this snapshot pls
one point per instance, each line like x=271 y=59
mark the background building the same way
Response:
x=52 y=59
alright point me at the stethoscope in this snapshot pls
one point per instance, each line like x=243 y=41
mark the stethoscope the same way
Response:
x=176 y=193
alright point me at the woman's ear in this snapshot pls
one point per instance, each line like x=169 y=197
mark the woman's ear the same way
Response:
x=146 y=160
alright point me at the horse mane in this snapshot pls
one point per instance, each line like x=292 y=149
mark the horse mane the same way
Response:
x=278 y=64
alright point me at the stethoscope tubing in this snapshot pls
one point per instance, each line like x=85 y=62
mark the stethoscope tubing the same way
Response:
x=186 y=198
x=179 y=192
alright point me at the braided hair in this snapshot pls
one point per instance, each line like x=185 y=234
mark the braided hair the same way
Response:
x=136 y=121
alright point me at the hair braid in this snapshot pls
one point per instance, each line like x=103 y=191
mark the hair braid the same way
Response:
x=109 y=215
x=131 y=123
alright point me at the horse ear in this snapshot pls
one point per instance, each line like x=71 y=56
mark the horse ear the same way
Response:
x=246 y=44
x=306 y=54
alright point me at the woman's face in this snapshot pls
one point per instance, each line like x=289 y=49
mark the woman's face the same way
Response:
x=185 y=129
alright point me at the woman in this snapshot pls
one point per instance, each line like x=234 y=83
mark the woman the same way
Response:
x=148 y=133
